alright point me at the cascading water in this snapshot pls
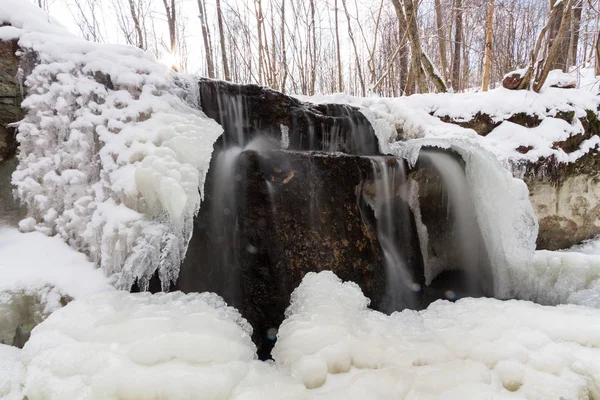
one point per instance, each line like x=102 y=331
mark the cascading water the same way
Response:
x=294 y=188
x=460 y=248
x=392 y=228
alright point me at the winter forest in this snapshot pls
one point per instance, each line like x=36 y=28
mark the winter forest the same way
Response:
x=299 y=199
x=389 y=47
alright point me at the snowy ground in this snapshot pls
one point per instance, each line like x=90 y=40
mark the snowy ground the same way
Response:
x=38 y=274
x=116 y=345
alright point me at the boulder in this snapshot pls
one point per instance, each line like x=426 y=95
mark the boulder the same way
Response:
x=248 y=110
x=296 y=212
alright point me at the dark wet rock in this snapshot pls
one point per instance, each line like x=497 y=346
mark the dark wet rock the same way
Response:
x=245 y=111
x=10 y=98
x=300 y=212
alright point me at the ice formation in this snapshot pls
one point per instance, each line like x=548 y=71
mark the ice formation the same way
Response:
x=559 y=277
x=117 y=345
x=111 y=158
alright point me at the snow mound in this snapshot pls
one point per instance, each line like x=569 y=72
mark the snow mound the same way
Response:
x=111 y=158
x=474 y=348
x=11 y=373
x=117 y=345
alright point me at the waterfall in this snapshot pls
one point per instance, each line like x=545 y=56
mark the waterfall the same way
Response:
x=392 y=221
x=469 y=252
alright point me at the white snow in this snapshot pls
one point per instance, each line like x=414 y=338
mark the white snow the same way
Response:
x=474 y=348
x=590 y=246
x=117 y=345
x=38 y=274
x=33 y=259
x=559 y=277
x=418 y=116
x=11 y=373
x=111 y=159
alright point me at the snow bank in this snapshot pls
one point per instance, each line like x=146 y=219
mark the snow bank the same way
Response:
x=118 y=345
x=110 y=157
x=11 y=373
x=474 y=348
x=590 y=246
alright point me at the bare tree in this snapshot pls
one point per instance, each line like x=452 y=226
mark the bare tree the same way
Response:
x=337 y=47
x=222 y=41
x=488 y=47
x=356 y=54
x=171 y=13
x=441 y=39
x=597 y=66
x=206 y=39
x=458 y=37
x=555 y=48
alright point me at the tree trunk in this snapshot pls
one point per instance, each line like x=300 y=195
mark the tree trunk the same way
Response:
x=259 y=22
x=313 y=70
x=574 y=36
x=458 y=37
x=598 y=55
x=557 y=46
x=357 y=60
x=206 y=39
x=561 y=39
x=137 y=25
x=222 y=40
x=488 y=48
x=409 y=20
x=283 y=49
x=441 y=39
x=337 y=45
x=434 y=77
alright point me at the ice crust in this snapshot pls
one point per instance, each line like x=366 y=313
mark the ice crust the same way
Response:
x=117 y=345
x=110 y=157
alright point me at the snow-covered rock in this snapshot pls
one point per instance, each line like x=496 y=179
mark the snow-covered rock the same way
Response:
x=110 y=157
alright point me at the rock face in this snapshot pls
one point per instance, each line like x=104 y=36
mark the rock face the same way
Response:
x=248 y=110
x=565 y=197
x=278 y=206
x=296 y=212
x=280 y=203
x=10 y=98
